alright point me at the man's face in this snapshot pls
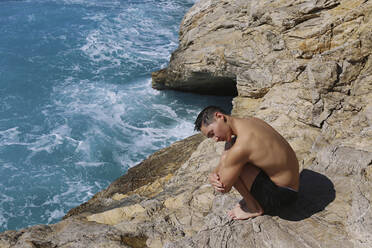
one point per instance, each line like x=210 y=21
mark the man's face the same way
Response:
x=217 y=130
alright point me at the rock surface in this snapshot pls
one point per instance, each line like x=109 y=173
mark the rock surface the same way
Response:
x=302 y=66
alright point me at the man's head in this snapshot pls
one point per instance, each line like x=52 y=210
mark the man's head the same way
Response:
x=212 y=122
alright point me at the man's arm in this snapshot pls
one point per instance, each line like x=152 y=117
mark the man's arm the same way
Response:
x=214 y=178
x=230 y=167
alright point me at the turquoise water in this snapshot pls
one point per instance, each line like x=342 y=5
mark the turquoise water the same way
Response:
x=76 y=104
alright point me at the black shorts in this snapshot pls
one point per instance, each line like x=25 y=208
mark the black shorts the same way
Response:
x=270 y=196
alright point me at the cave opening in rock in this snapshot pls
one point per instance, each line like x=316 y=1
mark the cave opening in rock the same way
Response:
x=206 y=84
x=220 y=86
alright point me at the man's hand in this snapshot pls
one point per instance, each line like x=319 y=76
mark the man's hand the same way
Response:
x=214 y=179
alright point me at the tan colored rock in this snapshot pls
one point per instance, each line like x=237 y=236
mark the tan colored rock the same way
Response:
x=178 y=201
x=4 y=244
x=154 y=188
x=70 y=233
x=116 y=215
x=118 y=197
x=148 y=190
x=202 y=199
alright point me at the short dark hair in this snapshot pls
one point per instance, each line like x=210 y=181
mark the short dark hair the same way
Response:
x=206 y=116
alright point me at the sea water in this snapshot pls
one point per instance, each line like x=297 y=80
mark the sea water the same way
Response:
x=76 y=104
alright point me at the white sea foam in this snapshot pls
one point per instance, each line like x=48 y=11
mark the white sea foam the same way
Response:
x=5 y=199
x=53 y=200
x=3 y=221
x=77 y=192
x=90 y=3
x=10 y=137
x=103 y=105
x=54 y=215
x=50 y=142
x=46 y=143
x=95 y=17
x=83 y=146
x=90 y=164
x=8 y=166
x=100 y=49
x=132 y=36
x=182 y=130
x=165 y=110
x=107 y=107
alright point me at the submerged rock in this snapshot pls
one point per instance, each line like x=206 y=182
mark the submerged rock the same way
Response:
x=302 y=66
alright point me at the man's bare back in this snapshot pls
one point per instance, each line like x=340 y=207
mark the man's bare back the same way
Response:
x=259 y=153
x=266 y=149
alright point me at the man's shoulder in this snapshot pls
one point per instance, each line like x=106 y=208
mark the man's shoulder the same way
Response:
x=248 y=120
x=241 y=146
x=248 y=128
x=245 y=129
x=237 y=154
x=243 y=123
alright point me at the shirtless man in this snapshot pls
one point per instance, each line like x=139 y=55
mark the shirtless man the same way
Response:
x=257 y=161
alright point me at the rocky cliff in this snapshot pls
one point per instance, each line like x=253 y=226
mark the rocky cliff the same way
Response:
x=302 y=66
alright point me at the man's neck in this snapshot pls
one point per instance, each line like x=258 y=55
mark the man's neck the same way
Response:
x=230 y=121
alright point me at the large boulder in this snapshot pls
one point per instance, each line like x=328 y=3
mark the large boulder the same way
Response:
x=305 y=68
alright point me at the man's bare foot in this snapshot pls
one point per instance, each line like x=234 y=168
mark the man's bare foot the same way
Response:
x=241 y=212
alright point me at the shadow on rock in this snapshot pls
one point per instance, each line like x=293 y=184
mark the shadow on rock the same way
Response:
x=315 y=193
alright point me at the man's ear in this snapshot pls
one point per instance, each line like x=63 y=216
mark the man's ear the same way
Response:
x=219 y=115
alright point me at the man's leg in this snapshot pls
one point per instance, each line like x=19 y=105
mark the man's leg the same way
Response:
x=243 y=184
